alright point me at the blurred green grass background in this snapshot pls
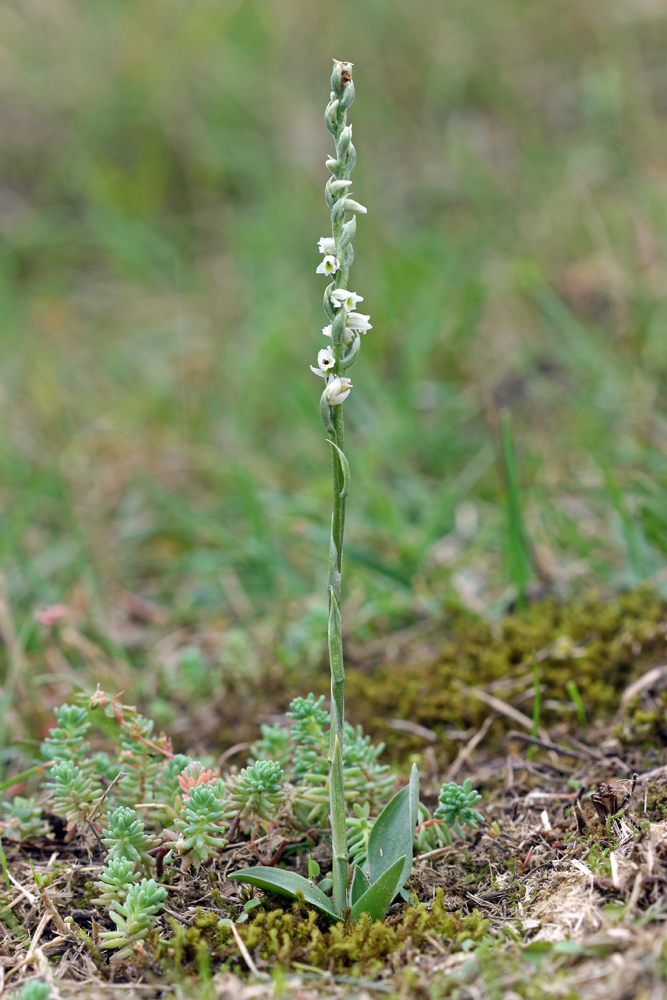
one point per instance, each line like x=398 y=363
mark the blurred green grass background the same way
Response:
x=161 y=195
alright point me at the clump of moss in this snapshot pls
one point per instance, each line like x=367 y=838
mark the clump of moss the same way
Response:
x=600 y=644
x=358 y=950
x=299 y=936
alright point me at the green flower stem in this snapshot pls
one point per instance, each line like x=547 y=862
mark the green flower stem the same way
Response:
x=341 y=168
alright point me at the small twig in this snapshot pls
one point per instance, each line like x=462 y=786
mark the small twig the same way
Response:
x=436 y=853
x=231 y=751
x=273 y=859
x=49 y=904
x=91 y=817
x=246 y=954
x=405 y=726
x=547 y=745
x=465 y=751
x=579 y=816
x=500 y=706
x=24 y=892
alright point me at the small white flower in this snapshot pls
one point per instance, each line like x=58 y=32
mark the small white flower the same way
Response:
x=329 y=265
x=326 y=330
x=326 y=244
x=341 y=297
x=325 y=359
x=359 y=322
x=325 y=362
x=337 y=391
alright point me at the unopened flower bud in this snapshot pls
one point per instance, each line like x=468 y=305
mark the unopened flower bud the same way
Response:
x=337 y=391
x=347 y=96
x=353 y=206
x=353 y=342
x=337 y=76
x=347 y=233
x=344 y=140
x=328 y=305
x=349 y=158
x=336 y=186
x=332 y=165
x=337 y=326
x=332 y=189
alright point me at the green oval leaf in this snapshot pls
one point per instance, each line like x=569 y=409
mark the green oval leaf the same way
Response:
x=359 y=885
x=377 y=898
x=286 y=884
x=393 y=833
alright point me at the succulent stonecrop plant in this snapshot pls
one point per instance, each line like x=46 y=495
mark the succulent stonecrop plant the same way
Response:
x=135 y=917
x=66 y=741
x=125 y=838
x=21 y=819
x=202 y=825
x=257 y=792
x=141 y=759
x=272 y=745
x=117 y=876
x=455 y=810
x=72 y=790
x=455 y=806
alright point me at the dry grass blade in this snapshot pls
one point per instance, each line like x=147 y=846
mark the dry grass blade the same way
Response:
x=247 y=957
x=499 y=706
x=465 y=751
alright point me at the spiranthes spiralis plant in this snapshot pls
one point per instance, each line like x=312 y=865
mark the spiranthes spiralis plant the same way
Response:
x=125 y=837
x=71 y=790
x=202 y=824
x=389 y=849
x=455 y=809
x=135 y=917
x=115 y=880
x=21 y=819
x=256 y=792
x=65 y=741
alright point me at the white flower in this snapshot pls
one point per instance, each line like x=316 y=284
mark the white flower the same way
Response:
x=337 y=391
x=341 y=297
x=326 y=330
x=359 y=322
x=326 y=244
x=325 y=359
x=329 y=265
x=325 y=362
